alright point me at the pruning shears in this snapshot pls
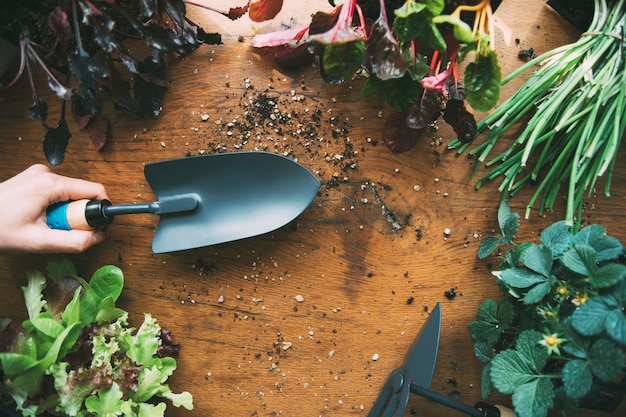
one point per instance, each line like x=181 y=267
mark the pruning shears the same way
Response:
x=415 y=375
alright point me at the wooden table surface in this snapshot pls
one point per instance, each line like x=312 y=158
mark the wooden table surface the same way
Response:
x=367 y=245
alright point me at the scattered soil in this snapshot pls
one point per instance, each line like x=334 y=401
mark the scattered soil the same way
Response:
x=270 y=120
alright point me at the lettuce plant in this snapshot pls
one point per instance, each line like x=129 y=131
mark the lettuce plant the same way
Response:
x=560 y=330
x=76 y=354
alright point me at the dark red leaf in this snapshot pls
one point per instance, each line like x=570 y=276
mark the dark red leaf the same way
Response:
x=168 y=348
x=56 y=139
x=39 y=109
x=103 y=32
x=322 y=21
x=120 y=92
x=263 y=10
x=397 y=135
x=148 y=96
x=235 y=13
x=425 y=111
x=461 y=120
x=81 y=119
x=85 y=106
x=208 y=38
x=60 y=25
x=383 y=51
x=147 y=8
x=293 y=56
x=80 y=66
x=176 y=10
x=97 y=129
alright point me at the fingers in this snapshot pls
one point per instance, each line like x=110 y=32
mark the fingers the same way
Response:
x=61 y=188
x=66 y=188
x=63 y=241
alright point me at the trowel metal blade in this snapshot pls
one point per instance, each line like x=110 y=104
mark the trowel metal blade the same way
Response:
x=241 y=194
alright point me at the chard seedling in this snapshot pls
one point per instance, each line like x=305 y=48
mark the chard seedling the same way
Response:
x=413 y=61
x=560 y=330
x=76 y=340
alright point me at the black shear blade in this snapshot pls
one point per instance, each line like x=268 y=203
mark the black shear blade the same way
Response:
x=422 y=356
x=418 y=367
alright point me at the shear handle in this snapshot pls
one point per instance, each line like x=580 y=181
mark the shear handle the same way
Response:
x=393 y=397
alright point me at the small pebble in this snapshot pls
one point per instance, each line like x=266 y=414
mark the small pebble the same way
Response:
x=299 y=298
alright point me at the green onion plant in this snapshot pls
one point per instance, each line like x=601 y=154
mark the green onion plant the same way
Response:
x=574 y=104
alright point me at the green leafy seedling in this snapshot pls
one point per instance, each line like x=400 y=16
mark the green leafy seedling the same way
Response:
x=508 y=223
x=126 y=374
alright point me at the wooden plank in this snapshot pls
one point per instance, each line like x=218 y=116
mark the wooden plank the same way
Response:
x=366 y=277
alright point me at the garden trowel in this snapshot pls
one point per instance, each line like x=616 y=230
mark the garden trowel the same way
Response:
x=415 y=375
x=206 y=200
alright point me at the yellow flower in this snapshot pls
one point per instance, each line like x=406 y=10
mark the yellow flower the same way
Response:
x=552 y=342
x=580 y=300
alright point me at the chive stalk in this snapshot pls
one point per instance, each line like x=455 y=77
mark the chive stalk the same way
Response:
x=574 y=105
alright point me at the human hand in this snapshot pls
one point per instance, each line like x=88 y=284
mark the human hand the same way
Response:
x=24 y=200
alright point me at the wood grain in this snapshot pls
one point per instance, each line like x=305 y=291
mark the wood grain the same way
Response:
x=368 y=257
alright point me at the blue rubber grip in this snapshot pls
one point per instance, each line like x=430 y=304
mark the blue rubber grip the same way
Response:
x=56 y=216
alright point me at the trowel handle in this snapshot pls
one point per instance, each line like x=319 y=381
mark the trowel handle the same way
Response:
x=495 y=410
x=78 y=215
x=91 y=214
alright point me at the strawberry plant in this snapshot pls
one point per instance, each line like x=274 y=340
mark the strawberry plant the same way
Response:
x=76 y=355
x=559 y=332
